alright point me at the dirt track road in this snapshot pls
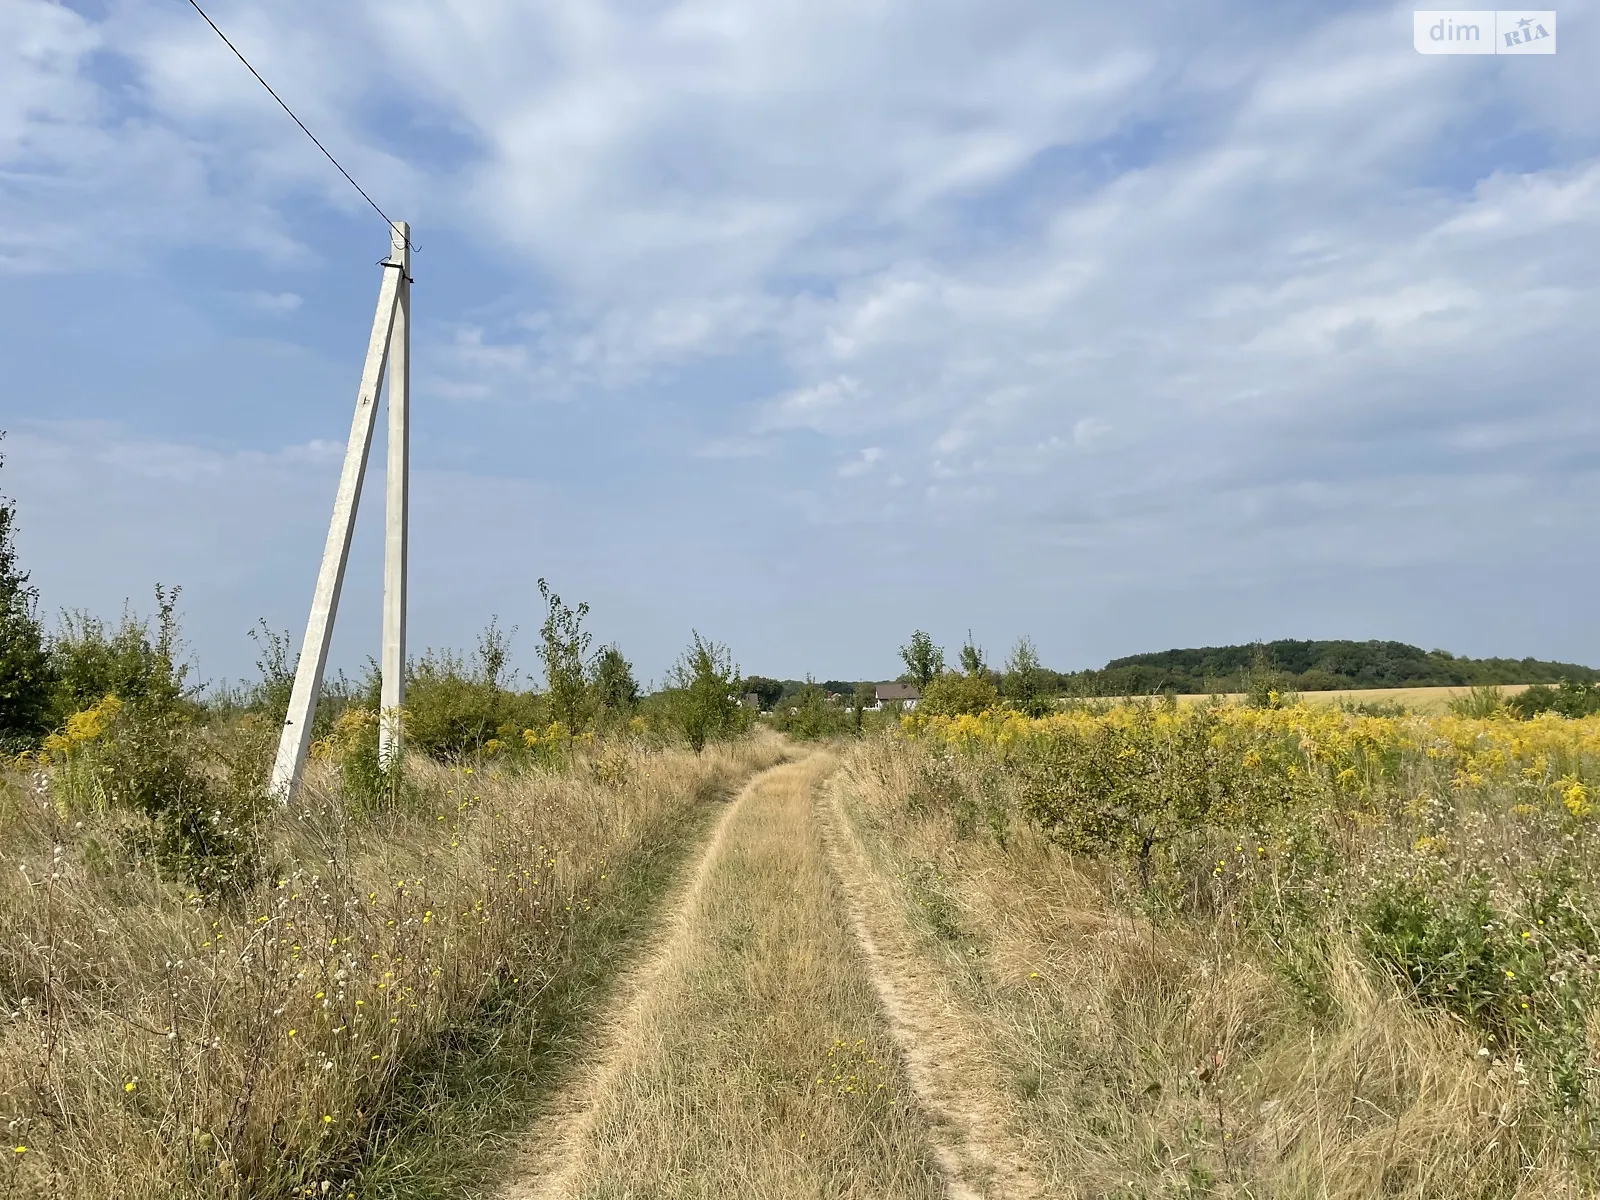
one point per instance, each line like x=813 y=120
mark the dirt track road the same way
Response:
x=772 y=1041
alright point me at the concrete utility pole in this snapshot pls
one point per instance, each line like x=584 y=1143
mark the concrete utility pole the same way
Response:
x=396 y=518
x=390 y=334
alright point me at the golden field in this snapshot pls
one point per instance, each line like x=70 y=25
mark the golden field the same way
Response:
x=1433 y=701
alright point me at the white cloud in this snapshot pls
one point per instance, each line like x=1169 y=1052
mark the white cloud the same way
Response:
x=820 y=407
x=1086 y=431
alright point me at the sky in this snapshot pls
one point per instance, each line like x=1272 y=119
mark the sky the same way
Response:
x=806 y=323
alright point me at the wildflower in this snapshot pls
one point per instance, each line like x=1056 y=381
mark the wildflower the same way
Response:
x=1575 y=797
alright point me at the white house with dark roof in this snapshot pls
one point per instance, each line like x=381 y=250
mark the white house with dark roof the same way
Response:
x=905 y=695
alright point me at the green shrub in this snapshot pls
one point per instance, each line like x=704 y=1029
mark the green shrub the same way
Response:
x=1131 y=788
x=365 y=781
x=138 y=665
x=810 y=716
x=951 y=695
x=1372 y=708
x=1318 y=680
x=1293 y=931
x=151 y=764
x=1521 y=969
x=128 y=744
x=1442 y=948
x=453 y=708
x=1482 y=701
x=1567 y=699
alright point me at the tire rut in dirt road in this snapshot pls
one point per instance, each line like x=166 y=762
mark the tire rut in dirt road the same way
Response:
x=550 y=1153
x=946 y=1070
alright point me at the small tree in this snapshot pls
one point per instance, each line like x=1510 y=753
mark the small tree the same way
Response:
x=615 y=689
x=564 y=650
x=1023 y=682
x=1263 y=684
x=706 y=681
x=924 y=661
x=27 y=679
x=277 y=667
x=494 y=650
x=767 y=691
x=972 y=663
x=866 y=697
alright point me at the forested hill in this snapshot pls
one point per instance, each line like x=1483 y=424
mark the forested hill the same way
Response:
x=1317 y=667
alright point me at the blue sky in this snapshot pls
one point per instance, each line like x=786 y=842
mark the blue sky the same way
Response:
x=805 y=323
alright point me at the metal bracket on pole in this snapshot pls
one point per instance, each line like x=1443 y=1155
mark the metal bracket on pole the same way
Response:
x=296 y=739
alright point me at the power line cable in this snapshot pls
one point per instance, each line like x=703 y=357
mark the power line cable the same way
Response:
x=297 y=120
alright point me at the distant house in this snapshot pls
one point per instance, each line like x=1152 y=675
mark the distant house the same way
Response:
x=905 y=695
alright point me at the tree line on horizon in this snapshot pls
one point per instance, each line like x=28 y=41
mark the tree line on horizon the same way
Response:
x=1302 y=666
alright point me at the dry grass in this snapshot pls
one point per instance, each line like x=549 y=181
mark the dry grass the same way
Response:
x=1139 y=1060
x=160 y=1046
x=953 y=1078
x=757 y=1063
